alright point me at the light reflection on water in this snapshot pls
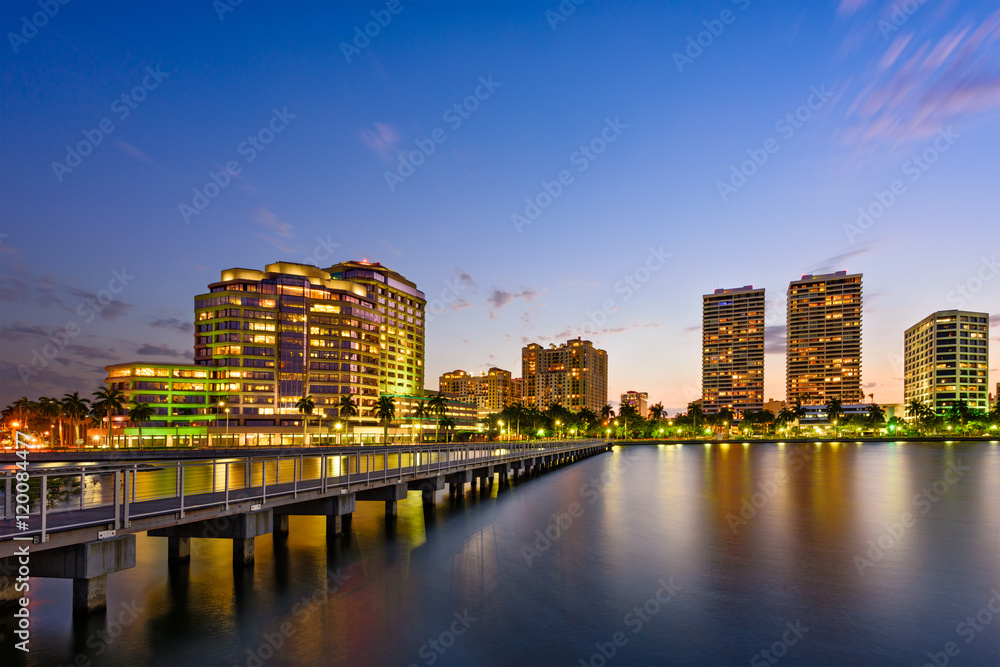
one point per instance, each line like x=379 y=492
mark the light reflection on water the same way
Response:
x=754 y=537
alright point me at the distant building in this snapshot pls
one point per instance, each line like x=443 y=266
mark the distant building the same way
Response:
x=638 y=400
x=774 y=406
x=823 y=339
x=573 y=375
x=946 y=357
x=732 y=361
x=490 y=391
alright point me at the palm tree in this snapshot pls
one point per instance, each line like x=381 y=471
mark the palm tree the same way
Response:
x=834 y=409
x=107 y=401
x=960 y=412
x=385 y=412
x=139 y=413
x=24 y=408
x=420 y=413
x=695 y=413
x=51 y=409
x=449 y=425
x=347 y=407
x=876 y=415
x=626 y=412
x=656 y=411
x=305 y=406
x=437 y=406
x=607 y=412
x=76 y=410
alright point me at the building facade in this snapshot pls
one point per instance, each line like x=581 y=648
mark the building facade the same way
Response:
x=638 y=400
x=490 y=391
x=401 y=331
x=823 y=339
x=285 y=332
x=573 y=375
x=732 y=361
x=946 y=359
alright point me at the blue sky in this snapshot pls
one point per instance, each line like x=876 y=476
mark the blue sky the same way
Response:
x=644 y=124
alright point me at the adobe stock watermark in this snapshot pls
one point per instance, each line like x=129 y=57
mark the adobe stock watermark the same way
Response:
x=249 y=148
x=363 y=36
x=968 y=629
x=779 y=649
x=966 y=292
x=581 y=158
x=629 y=285
x=562 y=520
x=31 y=26
x=434 y=648
x=922 y=502
x=122 y=107
x=100 y=640
x=322 y=252
x=766 y=491
x=223 y=7
x=915 y=167
x=454 y=116
x=563 y=11
x=634 y=620
x=787 y=125
x=87 y=309
x=898 y=15
x=696 y=44
x=272 y=642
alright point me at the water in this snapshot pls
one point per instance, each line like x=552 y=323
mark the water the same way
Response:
x=820 y=555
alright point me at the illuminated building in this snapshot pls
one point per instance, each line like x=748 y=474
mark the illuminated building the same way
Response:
x=401 y=332
x=945 y=357
x=491 y=391
x=285 y=332
x=823 y=339
x=573 y=375
x=732 y=355
x=638 y=400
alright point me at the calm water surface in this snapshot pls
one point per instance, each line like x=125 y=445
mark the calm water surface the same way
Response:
x=820 y=555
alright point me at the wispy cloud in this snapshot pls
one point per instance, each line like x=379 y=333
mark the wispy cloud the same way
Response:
x=774 y=339
x=923 y=81
x=837 y=262
x=382 y=140
x=162 y=350
x=132 y=151
x=275 y=229
x=172 y=323
x=500 y=298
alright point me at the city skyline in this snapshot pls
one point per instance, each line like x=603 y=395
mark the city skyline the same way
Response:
x=836 y=160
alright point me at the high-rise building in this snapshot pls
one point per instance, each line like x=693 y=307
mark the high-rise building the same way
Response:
x=946 y=359
x=638 y=400
x=491 y=391
x=401 y=331
x=573 y=375
x=732 y=355
x=823 y=339
x=285 y=332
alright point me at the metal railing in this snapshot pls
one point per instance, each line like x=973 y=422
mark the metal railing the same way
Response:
x=164 y=487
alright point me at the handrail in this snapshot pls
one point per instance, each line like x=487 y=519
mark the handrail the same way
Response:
x=126 y=504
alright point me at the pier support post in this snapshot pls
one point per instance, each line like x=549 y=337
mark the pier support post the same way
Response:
x=390 y=509
x=87 y=564
x=280 y=527
x=178 y=549
x=90 y=595
x=243 y=551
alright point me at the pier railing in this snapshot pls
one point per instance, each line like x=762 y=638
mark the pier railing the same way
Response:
x=63 y=497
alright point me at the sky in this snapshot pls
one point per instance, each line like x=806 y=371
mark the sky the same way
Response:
x=540 y=170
